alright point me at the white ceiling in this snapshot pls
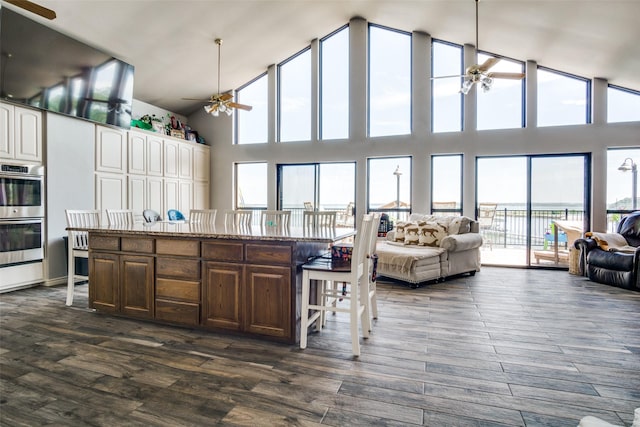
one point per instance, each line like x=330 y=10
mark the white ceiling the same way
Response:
x=170 y=42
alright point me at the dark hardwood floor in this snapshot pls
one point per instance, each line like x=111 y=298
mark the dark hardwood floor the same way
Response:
x=507 y=347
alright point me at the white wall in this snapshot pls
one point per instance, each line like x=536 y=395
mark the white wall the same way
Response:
x=69 y=151
x=139 y=109
x=593 y=138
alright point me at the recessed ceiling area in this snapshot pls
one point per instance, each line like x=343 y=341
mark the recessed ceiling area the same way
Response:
x=171 y=42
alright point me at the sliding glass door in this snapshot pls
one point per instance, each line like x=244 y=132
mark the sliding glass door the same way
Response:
x=532 y=208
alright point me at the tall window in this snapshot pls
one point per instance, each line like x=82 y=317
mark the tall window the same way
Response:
x=294 y=106
x=562 y=99
x=502 y=106
x=251 y=186
x=623 y=105
x=446 y=63
x=622 y=181
x=334 y=85
x=389 y=82
x=446 y=184
x=251 y=126
x=389 y=186
x=318 y=186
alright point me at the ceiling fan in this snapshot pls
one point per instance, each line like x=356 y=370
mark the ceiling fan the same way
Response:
x=479 y=73
x=220 y=102
x=33 y=8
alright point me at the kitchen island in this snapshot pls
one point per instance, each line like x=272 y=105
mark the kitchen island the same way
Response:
x=243 y=280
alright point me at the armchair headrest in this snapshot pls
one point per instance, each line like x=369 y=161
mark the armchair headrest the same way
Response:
x=629 y=227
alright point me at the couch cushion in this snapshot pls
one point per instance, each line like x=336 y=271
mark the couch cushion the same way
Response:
x=629 y=228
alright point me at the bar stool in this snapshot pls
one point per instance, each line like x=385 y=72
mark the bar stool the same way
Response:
x=238 y=219
x=203 y=216
x=278 y=219
x=78 y=244
x=324 y=272
x=120 y=217
x=319 y=219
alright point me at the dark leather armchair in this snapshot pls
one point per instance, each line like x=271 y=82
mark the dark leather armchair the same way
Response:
x=614 y=268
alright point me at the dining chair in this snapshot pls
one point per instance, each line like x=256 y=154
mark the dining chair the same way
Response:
x=372 y=296
x=118 y=217
x=238 y=218
x=325 y=273
x=78 y=244
x=486 y=215
x=278 y=219
x=319 y=219
x=203 y=216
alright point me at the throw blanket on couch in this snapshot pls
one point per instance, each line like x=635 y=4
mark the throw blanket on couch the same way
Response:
x=402 y=258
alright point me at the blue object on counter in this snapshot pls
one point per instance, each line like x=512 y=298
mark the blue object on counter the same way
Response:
x=175 y=215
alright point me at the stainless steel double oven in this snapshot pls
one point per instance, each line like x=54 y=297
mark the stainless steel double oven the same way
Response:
x=21 y=214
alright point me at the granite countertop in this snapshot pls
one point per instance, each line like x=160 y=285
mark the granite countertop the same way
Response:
x=185 y=229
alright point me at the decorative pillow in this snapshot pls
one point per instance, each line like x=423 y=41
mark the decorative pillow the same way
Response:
x=431 y=234
x=400 y=230
x=454 y=225
x=411 y=234
x=465 y=225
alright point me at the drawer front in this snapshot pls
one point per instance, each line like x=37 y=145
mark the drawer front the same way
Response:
x=183 y=313
x=182 y=290
x=144 y=246
x=179 y=268
x=178 y=247
x=108 y=243
x=268 y=254
x=222 y=251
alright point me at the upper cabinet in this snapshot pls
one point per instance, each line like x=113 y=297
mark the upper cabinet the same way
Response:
x=20 y=133
x=201 y=163
x=171 y=158
x=185 y=152
x=111 y=150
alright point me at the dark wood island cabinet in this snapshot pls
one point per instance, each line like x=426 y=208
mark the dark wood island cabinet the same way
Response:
x=190 y=275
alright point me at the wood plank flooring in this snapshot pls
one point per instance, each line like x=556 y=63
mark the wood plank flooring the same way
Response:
x=508 y=347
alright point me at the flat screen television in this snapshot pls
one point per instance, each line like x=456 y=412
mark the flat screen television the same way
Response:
x=46 y=69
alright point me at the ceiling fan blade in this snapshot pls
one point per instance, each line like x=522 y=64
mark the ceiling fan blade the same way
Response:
x=512 y=76
x=240 y=106
x=488 y=64
x=33 y=8
x=225 y=96
x=447 y=77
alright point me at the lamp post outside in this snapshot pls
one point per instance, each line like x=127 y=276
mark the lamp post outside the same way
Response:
x=397 y=173
x=629 y=164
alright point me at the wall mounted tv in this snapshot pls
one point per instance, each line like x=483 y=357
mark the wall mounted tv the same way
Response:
x=46 y=69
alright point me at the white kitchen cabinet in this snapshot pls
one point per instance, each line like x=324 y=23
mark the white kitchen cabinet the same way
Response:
x=185 y=196
x=20 y=133
x=137 y=145
x=201 y=162
x=154 y=155
x=155 y=194
x=185 y=151
x=171 y=195
x=137 y=193
x=111 y=190
x=111 y=150
x=171 y=158
x=200 y=195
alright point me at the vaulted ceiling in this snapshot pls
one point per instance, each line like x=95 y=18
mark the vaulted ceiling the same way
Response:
x=171 y=42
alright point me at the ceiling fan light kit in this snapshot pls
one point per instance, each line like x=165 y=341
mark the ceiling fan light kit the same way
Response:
x=221 y=102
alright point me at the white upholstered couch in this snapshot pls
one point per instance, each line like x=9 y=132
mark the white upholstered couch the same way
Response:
x=430 y=248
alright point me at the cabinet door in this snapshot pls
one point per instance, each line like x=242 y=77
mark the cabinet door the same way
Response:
x=222 y=295
x=154 y=155
x=6 y=131
x=137 y=194
x=185 y=151
x=155 y=194
x=267 y=308
x=171 y=158
x=137 y=153
x=137 y=279
x=201 y=162
x=28 y=134
x=111 y=150
x=200 y=195
x=171 y=195
x=186 y=196
x=104 y=279
x=110 y=192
